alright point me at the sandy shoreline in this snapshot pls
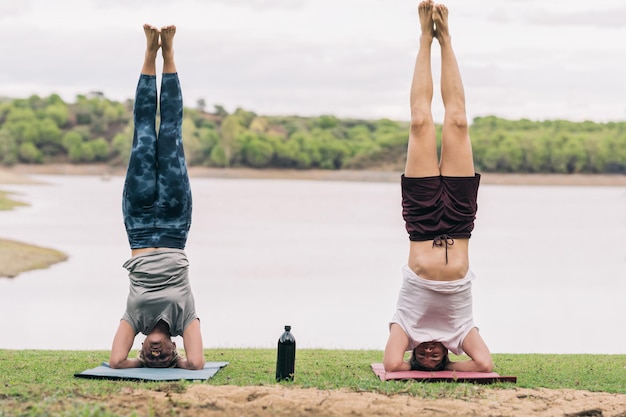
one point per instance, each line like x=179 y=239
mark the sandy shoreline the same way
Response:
x=20 y=173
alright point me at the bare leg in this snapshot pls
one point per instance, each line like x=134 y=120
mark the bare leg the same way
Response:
x=153 y=45
x=421 y=158
x=456 y=147
x=167 y=45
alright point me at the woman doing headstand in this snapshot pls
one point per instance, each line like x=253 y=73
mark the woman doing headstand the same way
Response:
x=434 y=310
x=157 y=214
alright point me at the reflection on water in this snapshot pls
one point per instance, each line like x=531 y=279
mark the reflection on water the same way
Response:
x=325 y=258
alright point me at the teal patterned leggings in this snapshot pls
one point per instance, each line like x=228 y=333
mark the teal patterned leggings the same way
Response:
x=156 y=202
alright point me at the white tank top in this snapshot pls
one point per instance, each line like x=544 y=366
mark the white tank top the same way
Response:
x=438 y=311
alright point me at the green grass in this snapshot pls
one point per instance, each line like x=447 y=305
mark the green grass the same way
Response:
x=41 y=383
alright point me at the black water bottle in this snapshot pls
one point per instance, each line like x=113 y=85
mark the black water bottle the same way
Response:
x=286 y=356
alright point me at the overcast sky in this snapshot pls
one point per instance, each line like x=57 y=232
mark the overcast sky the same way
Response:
x=352 y=58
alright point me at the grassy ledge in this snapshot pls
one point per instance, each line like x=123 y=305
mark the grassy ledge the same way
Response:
x=17 y=257
x=35 y=374
x=7 y=203
x=39 y=382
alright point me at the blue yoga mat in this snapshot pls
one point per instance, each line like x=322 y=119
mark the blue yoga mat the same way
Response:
x=152 y=374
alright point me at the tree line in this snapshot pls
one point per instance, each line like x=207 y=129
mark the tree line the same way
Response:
x=41 y=130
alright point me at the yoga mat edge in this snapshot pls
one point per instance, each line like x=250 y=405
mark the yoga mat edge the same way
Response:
x=442 y=376
x=152 y=374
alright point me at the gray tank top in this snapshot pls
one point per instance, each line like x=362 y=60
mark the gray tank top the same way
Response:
x=159 y=290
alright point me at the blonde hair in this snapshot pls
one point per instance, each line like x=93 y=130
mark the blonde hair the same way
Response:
x=148 y=364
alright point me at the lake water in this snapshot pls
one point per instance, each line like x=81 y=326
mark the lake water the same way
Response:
x=324 y=257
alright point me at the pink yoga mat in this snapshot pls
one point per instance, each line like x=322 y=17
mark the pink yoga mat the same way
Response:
x=441 y=376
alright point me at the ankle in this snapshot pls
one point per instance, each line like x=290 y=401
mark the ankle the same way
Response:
x=444 y=38
x=150 y=56
x=168 y=54
x=426 y=38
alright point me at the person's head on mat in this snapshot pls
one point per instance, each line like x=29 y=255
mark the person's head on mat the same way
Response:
x=429 y=356
x=158 y=351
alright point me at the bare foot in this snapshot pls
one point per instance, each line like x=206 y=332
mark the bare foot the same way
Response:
x=440 y=16
x=167 y=48
x=425 y=10
x=167 y=40
x=152 y=39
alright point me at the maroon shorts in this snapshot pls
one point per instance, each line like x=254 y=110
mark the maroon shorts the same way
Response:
x=437 y=206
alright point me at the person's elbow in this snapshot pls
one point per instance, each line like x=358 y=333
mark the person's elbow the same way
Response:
x=115 y=363
x=484 y=364
x=393 y=365
x=123 y=362
x=195 y=364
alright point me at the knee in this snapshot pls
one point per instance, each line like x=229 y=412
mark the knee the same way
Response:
x=457 y=119
x=420 y=120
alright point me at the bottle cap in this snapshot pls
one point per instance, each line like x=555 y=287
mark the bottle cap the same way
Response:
x=288 y=328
